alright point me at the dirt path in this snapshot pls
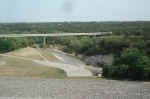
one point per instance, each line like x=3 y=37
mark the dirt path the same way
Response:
x=71 y=70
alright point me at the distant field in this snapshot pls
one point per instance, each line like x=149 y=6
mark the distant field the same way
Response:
x=22 y=68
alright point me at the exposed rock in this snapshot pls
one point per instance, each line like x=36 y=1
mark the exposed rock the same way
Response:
x=99 y=60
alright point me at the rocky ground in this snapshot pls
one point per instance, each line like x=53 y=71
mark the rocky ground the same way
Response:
x=25 y=88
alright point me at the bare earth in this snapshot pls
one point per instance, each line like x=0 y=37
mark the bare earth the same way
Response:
x=47 y=59
x=33 y=53
x=13 y=88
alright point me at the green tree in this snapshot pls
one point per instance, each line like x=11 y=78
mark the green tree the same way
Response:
x=131 y=64
x=6 y=45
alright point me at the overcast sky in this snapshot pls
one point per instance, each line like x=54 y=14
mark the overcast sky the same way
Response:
x=73 y=10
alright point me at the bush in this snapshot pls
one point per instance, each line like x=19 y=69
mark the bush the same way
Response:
x=6 y=45
x=131 y=64
x=114 y=46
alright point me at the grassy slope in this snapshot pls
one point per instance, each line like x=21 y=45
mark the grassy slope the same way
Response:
x=47 y=55
x=21 y=68
x=33 y=53
x=27 y=53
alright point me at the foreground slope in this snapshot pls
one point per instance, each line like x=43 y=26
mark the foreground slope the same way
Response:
x=45 y=58
x=12 y=67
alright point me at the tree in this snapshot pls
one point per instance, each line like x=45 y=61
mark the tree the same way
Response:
x=6 y=46
x=131 y=64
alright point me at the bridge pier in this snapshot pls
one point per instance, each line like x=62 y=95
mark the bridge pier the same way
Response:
x=44 y=41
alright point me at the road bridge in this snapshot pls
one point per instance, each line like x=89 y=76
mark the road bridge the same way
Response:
x=54 y=34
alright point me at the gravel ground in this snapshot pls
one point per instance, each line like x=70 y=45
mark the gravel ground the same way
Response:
x=25 y=88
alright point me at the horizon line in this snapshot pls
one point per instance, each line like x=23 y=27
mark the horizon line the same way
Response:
x=75 y=21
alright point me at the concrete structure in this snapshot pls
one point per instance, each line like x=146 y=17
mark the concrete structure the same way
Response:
x=55 y=34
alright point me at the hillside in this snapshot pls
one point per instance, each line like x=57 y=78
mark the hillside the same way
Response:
x=12 y=67
x=33 y=53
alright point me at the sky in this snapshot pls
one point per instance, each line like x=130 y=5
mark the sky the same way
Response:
x=73 y=10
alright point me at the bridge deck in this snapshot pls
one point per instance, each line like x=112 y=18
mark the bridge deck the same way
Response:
x=54 y=34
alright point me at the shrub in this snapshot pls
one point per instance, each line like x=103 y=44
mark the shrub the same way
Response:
x=6 y=45
x=131 y=64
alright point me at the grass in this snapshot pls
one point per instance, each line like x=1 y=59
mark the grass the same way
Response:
x=27 y=53
x=48 y=56
x=33 y=53
x=22 y=68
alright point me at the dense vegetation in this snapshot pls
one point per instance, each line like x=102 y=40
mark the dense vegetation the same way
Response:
x=131 y=64
x=121 y=32
x=130 y=41
x=116 y=27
